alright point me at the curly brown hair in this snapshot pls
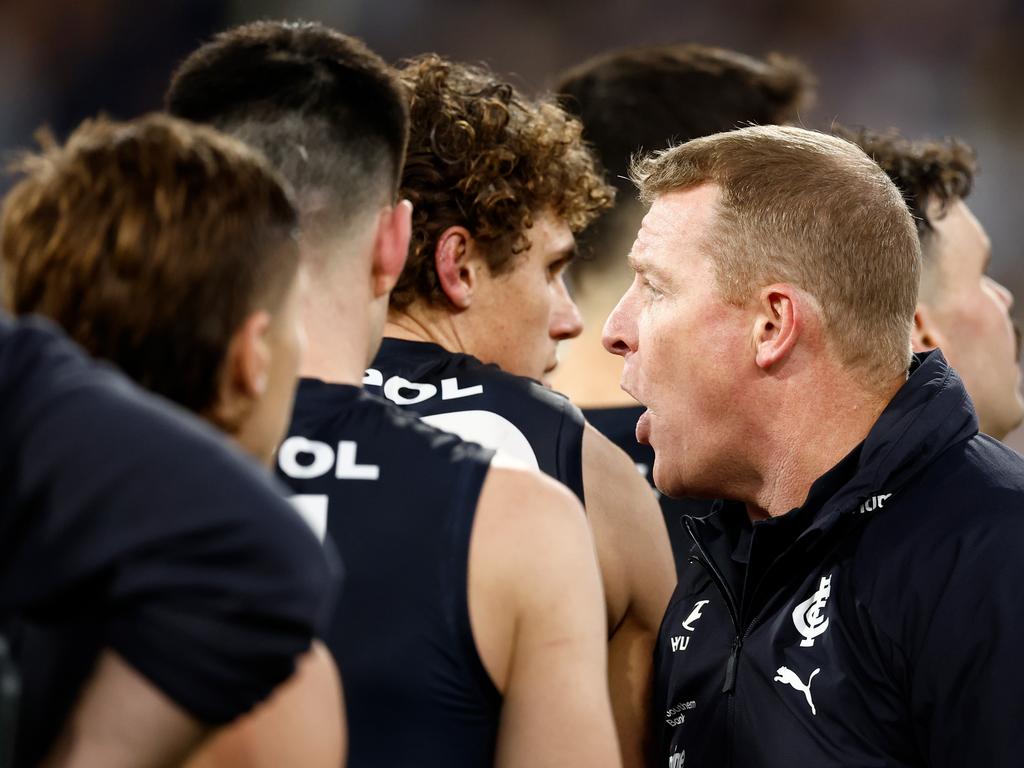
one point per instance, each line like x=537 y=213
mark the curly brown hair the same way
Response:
x=924 y=171
x=483 y=156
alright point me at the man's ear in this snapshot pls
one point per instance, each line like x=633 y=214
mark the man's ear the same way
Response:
x=391 y=247
x=778 y=324
x=925 y=335
x=246 y=371
x=455 y=260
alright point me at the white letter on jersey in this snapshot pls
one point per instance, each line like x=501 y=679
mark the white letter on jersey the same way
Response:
x=312 y=507
x=450 y=389
x=347 y=468
x=394 y=385
x=288 y=458
x=373 y=378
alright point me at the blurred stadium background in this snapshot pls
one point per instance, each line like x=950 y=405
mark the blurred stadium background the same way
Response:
x=928 y=67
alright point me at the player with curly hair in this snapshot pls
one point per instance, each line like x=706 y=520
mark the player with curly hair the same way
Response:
x=500 y=183
x=960 y=309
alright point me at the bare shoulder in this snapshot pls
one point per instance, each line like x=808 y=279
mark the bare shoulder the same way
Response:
x=531 y=556
x=629 y=531
x=531 y=525
x=301 y=724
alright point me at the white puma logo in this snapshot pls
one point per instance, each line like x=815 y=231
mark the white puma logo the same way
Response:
x=789 y=677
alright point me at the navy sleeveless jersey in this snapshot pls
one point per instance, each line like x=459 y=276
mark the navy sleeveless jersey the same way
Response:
x=399 y=499
x=512 y=414
x=619 y=426
x=126 y=523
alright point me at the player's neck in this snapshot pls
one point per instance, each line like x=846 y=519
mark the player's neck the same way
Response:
x=422 y=323
x=338 y=337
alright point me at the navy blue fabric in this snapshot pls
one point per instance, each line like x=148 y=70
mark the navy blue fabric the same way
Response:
x=879 y=624
x=128 y=524
x=400 y=499
x=548 y=422
x=619 y=426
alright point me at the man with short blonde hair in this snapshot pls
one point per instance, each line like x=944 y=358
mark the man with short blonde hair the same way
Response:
x=829 y=613
x=782 y=216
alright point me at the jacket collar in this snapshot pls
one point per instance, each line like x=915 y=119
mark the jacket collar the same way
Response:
x=928 y=414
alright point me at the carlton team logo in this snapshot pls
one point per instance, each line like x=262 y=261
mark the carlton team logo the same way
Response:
x=808 y=617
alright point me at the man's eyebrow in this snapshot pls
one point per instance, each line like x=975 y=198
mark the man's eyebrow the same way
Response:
x=646 y=268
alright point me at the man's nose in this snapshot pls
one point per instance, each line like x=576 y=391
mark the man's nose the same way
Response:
x=618 y=335
x=566 y=322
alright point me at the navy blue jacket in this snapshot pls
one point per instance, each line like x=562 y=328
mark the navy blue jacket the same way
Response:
x=879 y=624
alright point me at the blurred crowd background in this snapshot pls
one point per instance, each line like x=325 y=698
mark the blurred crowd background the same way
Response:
x=927 y=67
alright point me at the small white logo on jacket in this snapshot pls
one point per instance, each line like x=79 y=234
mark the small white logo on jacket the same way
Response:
x=694 y=615
x=875 y=502
x=789 y=677
x=680 y=642
x=808 y=616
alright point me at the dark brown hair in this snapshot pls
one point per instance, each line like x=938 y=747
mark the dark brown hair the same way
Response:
x=814 y=211
x=648 y=97
x=925 y=172
x=483 y=156
x=149 y=242
x=327 y=112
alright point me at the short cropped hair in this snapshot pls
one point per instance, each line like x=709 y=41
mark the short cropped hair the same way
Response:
x=149 y=242
x=813 y=210
x=484 y=156
x=326 y=111
x=649 y=97
x=926 y=172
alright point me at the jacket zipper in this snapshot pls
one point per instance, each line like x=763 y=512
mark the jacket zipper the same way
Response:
x=704 y=559
x=729 y=685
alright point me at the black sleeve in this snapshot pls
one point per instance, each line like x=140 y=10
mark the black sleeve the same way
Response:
x=121 y=507
x=967 y=676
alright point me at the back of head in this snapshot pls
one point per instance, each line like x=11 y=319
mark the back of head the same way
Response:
x=149 y=242
x=647 y=98
x=485 y=157
x=812 y=210
x=328 y=113
x=932 y=175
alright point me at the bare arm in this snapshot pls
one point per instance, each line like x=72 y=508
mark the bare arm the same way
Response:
x=537 y=614
x=638 y=573
x=123 y=720
x=303 y=723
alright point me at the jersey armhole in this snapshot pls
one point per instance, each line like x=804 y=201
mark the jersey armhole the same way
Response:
x=468 y=491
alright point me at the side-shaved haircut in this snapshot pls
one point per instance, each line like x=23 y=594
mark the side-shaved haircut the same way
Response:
x=327 y=112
